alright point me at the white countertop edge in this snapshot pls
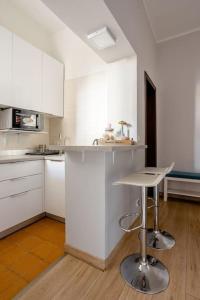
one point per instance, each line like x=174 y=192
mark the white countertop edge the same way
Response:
x=98 y=148
x=20 y=158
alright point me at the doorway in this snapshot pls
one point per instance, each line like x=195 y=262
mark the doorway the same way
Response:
x=150 y=123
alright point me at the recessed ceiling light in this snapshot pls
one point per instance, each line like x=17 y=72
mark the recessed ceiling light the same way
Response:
x=102 y=38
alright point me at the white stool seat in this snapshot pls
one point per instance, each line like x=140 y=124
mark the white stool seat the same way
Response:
x=155 y=170
x=141 y=180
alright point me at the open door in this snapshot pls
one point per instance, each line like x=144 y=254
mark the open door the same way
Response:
x=150 y=123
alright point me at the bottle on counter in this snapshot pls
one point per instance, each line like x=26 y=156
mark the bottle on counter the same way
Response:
x=108 y=135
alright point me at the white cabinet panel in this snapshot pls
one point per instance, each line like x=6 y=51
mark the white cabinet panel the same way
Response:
x=18 y=208
x=20 y=185
x=55 y=187
x=27 y=75
x=20 y=169
x=53 y=80
x=5 y=66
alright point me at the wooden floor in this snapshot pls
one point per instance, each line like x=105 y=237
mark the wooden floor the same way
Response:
x=72 y=279
x=27 y=253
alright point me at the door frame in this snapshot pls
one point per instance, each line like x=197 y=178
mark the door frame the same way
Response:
x=148 y=79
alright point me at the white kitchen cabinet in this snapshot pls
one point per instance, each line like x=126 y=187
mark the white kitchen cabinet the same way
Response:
x=55 y=187
x=21 y=193
x=20 y=207
x=27 y=75
x=19 y=185
x=20 y=169
x=53 y=86
x=5 y=66
x=29 y=78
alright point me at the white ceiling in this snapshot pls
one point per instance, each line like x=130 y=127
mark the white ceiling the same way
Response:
x=86 y=16
x=38 y=11
x=172 y=18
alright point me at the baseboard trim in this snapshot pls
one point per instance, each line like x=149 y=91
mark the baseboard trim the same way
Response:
x=102 y=264
x=88 y=258
x=54 y=217
x=21 y=225
x=110 y=259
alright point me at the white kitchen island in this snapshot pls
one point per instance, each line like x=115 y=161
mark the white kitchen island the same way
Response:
x=93 y=204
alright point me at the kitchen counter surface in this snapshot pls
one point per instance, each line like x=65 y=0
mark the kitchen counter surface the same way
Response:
x=103 y=148
x=17 y=158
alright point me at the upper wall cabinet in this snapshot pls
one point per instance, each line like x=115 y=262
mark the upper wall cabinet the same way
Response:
x=5 y=66
x=53 y=86
x=27 y=75
x=29 y=78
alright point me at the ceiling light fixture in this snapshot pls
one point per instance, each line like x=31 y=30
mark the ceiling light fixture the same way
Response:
x=102 y=38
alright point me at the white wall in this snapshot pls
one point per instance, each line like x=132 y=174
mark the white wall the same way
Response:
x=179 y=102
x=122 y=93
x=93 y=101
x=131 y=16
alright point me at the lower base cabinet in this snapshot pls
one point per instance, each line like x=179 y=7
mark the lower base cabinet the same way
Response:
x=55 y=187
x=26 y=193
x=21 y=194
x=20 y=207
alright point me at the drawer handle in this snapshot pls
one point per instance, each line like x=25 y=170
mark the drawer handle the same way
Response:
x=55 y=160
x=15 y=162
x=19 y=194
x=18 y=178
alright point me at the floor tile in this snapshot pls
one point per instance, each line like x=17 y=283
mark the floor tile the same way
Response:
x=17 y=236
x=15 y=285
x=48 y=251
x=29 y=242
x=5 y=244
x=28 y=252
x=28 y=266
x=8 y=278
x=10 y=255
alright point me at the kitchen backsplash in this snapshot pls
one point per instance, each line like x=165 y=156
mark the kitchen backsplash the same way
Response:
x=24 y=140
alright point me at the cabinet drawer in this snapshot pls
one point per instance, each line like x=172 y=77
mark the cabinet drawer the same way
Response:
x=20 y=169
x=21 y=184
x=18 y=208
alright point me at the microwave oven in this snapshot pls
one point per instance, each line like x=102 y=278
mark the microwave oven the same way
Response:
x=21 y=119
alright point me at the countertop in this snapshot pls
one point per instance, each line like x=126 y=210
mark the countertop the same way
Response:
x=102 y=148
x=17 y=158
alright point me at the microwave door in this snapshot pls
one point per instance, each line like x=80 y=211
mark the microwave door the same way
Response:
x=17 y=120
x=29 y=121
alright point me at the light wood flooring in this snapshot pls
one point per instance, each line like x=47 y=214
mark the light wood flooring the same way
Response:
x=27 y=253
x=72 y=279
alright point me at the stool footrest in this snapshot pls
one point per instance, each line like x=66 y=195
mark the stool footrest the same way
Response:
x=129 y=228
x=152 y=199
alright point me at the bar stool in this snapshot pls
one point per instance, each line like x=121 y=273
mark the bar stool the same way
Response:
x=143 y=272
x=157 y=238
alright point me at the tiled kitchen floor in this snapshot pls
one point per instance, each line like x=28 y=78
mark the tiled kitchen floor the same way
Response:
x=28 y=252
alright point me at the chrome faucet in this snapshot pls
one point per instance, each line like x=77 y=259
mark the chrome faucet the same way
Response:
x=95 y=142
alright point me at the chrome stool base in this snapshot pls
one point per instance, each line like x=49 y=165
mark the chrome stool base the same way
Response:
x=149 y=278
x=161 y=240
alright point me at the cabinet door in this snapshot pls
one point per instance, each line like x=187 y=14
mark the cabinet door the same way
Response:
x=55 y=187
x=53 y=86
x=5 y=67
x=27 y=75
x=20 y=207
